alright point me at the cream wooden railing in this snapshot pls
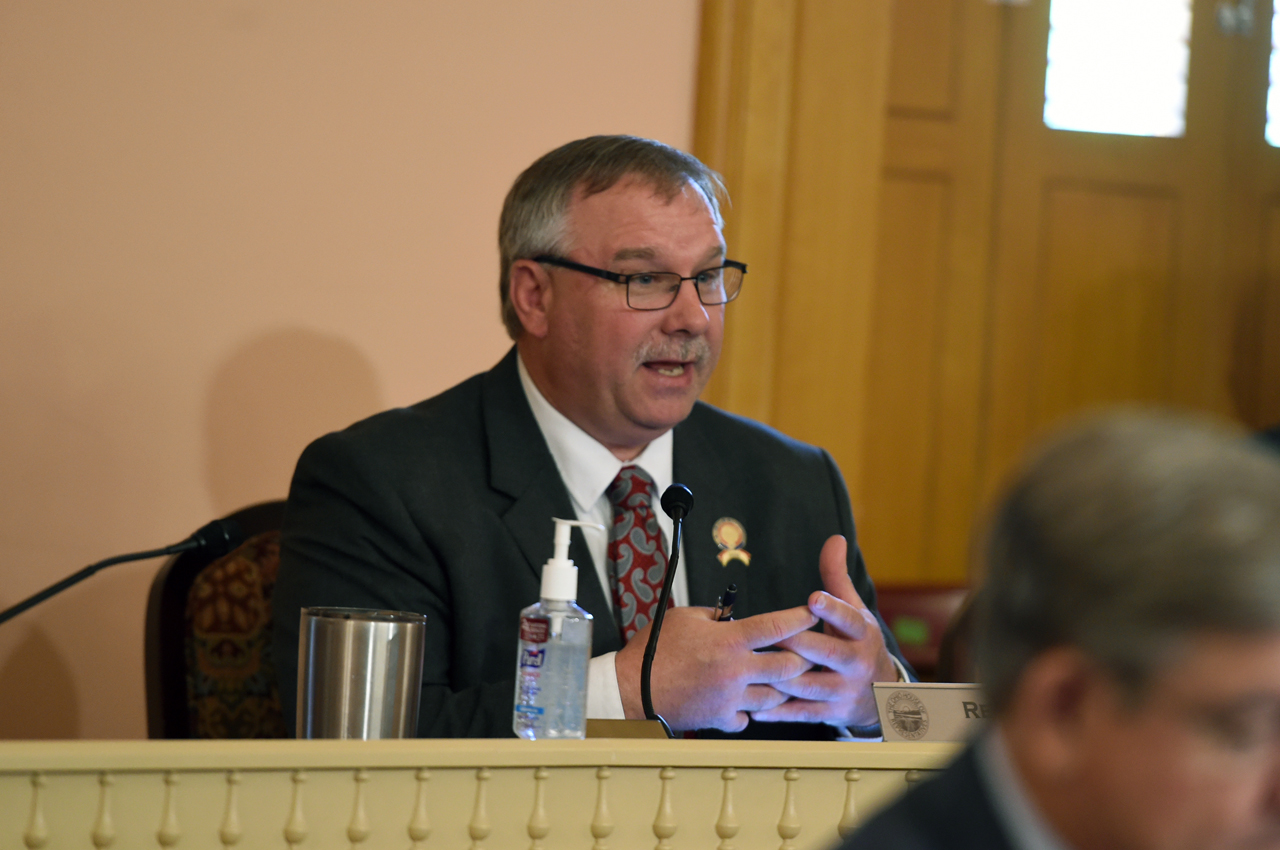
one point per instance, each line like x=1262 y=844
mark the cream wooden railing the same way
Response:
x=447 y=794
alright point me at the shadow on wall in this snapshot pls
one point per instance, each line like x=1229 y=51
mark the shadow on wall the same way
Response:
x=269 y=400
x=59 y=459
x=36 y=659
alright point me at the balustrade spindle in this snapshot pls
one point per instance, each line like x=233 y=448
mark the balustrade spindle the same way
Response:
x=229 y=833
x=539 y=823
x=358 y=830
x=104 y=828
x=169 y=832
x=727 y=824
x=295 y=829
x=479 y=829
x=664 y=825
x=420 y=824
x=36 y=835
x=601 y=821
x=789 y=823
x=849 y=819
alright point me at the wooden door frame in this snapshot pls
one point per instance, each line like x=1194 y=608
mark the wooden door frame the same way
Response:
x=791 y=110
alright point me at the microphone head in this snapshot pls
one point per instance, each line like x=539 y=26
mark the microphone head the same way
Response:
x=677 y=501
x=218 y=537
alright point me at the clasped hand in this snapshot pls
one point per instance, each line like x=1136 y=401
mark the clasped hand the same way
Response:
x=714 y=675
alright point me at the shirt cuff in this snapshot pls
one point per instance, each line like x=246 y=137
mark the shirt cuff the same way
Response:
x=870 y=733
x=604 y=699
x=902 y=671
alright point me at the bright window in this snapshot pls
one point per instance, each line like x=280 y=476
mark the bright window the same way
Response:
x=1273 y=96
x=1119 y=66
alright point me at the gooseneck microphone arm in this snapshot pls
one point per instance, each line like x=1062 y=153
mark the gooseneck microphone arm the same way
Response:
x=677 y=501
x=218 y=537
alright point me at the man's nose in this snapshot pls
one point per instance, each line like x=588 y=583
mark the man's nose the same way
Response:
x=687 y=313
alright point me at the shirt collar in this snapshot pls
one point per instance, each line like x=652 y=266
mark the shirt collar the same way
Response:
x=586 y=466
x=1026 y=827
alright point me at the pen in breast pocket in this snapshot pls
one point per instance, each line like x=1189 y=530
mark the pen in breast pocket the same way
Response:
x=724 y=605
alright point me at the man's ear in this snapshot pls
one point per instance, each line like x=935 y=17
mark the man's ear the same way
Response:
x=531 y=295
x=1052 y=709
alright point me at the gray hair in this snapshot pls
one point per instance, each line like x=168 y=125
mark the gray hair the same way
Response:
x=533 y=215
x=1126 y=535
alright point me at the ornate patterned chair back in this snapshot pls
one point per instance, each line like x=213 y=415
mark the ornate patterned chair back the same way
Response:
x=208 y=638
x=232 y=689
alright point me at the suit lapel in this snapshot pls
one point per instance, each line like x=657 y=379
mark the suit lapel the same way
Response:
x=721 y=489
x=695 y=463
x=521 y=467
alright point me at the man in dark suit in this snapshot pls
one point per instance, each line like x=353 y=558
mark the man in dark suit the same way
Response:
x=614 y=280
x=1128 y=635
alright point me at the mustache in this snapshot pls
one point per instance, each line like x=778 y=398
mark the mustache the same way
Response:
x=696 y=350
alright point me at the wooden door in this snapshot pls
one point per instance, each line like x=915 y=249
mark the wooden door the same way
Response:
x=1252 y=218
x=917 y=493
x=1021 y=275
x=1025 y=275
x=1107 y=281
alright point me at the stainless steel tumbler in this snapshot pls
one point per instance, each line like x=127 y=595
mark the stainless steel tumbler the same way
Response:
x=359 y=673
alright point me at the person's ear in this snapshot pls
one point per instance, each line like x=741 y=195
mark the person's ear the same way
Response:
x=1053 y=707
x=531 y=295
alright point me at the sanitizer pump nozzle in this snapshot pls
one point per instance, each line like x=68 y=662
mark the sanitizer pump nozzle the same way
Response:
x=559 y=575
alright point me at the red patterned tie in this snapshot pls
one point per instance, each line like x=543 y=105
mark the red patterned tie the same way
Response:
x=637 y=559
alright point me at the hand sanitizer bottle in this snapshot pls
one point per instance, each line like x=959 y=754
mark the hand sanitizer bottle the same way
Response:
x=555 y=648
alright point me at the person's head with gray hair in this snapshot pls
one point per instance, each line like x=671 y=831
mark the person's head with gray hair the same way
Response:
x=615 y=278
x=1128 y=635
x=534 y=215
x=1124 y=536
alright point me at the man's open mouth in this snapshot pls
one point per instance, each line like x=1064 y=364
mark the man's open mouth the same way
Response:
x=667 y=368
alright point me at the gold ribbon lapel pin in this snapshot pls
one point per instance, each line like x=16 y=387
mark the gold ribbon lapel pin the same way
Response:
x=730 y=536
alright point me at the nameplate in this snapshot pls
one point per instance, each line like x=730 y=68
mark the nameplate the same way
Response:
x=929 y=711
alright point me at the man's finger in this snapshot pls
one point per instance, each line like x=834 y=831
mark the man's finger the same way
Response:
x=799 y=711
x=739 y=722
x=849 y=620
x=767 y=629
x=816 y=685
x=761 y=697
x=818 y=648
x=769 y=667
x=833 y=565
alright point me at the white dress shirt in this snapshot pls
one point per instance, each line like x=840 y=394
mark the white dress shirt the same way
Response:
x=1025 y=827
x=587 y=469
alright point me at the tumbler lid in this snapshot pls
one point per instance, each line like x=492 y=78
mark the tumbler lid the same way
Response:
x=374 y=615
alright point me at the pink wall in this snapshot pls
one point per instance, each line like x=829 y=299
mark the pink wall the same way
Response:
x=229 y=226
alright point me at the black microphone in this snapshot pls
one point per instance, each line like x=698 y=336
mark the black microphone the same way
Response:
x=217 y=539
x=677 y=501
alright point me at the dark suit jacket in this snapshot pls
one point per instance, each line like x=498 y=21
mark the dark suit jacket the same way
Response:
x=950 y=811
x=445 y=508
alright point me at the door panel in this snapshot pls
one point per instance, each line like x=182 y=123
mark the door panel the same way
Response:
x=911 y=298
x=1098 y=327
x=923 y=61
x=1109 y=283
x=918 y=492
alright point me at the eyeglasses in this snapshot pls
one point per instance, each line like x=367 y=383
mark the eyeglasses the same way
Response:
x=658 y=290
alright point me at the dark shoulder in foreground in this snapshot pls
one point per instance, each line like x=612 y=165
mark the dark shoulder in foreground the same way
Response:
x=948 y=811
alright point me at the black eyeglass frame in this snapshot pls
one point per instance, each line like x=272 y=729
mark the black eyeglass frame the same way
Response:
x=625 y=279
